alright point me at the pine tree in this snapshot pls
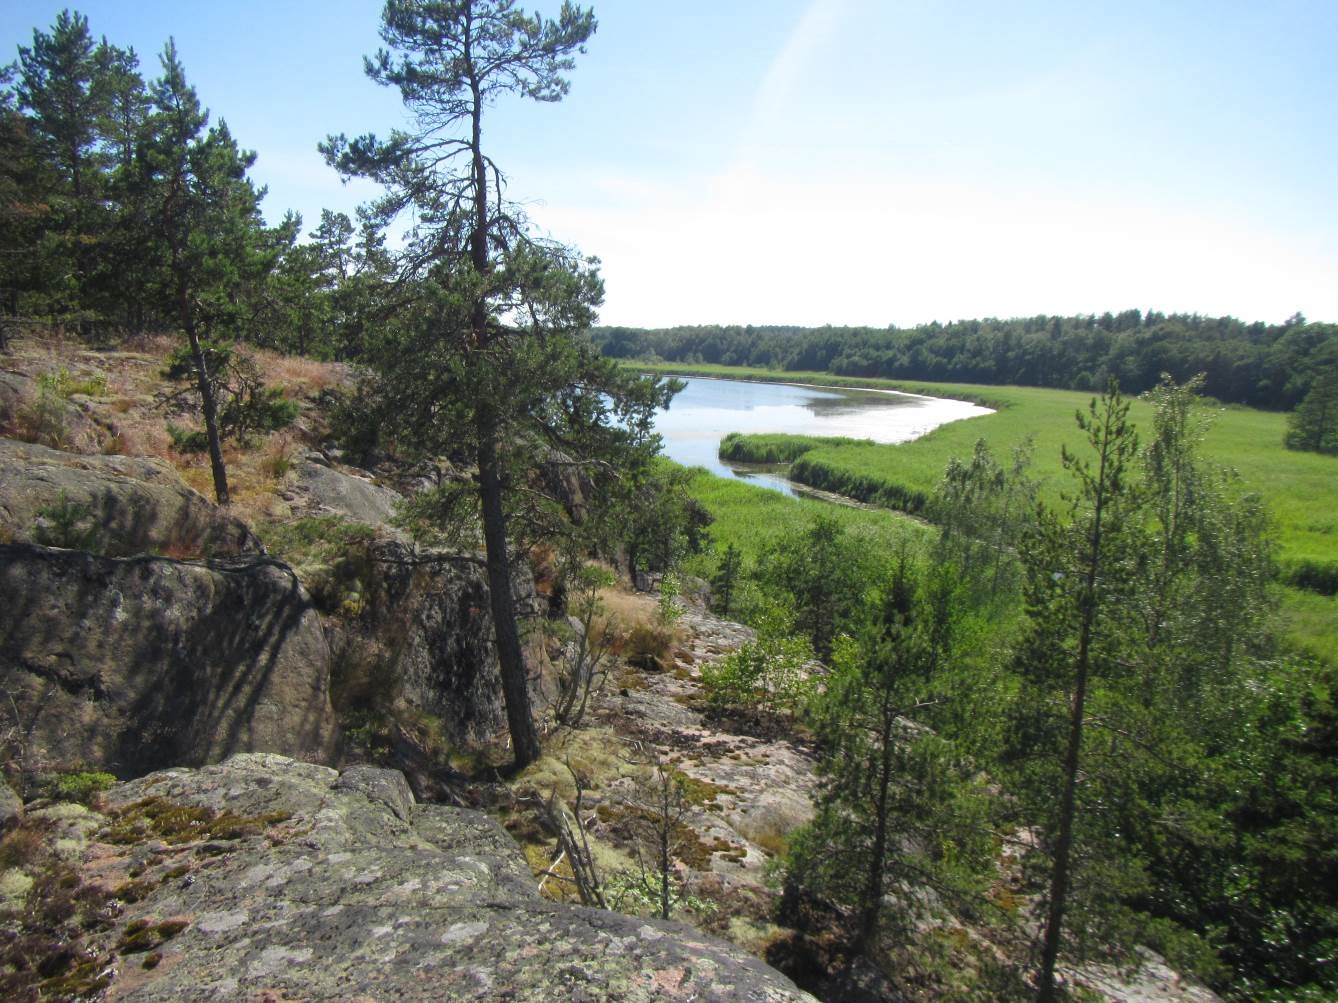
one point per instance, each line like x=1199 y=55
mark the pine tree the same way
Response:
x=25 y=178
x=1077 y=605
x=206 y=215
x=1146 y=605
x=1313 y=426
x=61 y=86
x=127 y=253
x=897 y=808
x=488 y=359
x=823 y=572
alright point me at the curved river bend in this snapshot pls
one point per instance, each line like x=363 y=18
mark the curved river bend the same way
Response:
x=709 y=409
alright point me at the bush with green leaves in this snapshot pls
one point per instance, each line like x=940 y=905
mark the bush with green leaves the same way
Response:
x=80 y=786
x=769 y=674
x=668 y=607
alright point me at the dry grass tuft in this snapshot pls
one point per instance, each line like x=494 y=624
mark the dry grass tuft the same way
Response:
x=298 y=374
x=631 y=608
x=276 y=459
x=158 y=345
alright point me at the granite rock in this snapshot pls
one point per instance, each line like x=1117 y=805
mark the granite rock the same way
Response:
x=132 y=664
x=338 y=897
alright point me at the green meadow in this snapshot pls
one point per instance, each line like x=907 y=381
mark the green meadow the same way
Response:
x=750 y=517
x=1300 y=489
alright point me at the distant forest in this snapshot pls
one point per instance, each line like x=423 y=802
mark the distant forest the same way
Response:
x=1262 y=365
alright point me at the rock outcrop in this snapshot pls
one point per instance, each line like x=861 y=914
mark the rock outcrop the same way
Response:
x=116 y=505
x=330 y=491
x=303 y=883
x=134 y=664
x=428 y=619
x=50 y=418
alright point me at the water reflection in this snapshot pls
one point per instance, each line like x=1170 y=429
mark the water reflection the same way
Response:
x=709 y=409
x=830 y=406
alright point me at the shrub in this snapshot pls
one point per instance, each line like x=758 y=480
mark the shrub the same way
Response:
x=81 y=787
x=650 y=646
x=330 y=556
x=62 y=383
x=46 y=419
x=357 y=426
x=256 y=409
x=669 y=609
x=1313 y=575
x=187 y=440
x=67 y=524
x=768 y=674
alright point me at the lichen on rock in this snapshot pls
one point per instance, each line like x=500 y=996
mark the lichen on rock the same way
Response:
x=353 y=891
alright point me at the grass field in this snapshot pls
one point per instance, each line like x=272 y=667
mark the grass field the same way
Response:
x=750 y=518
x=1300 y=489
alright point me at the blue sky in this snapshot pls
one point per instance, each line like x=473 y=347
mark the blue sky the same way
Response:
x=854 y=161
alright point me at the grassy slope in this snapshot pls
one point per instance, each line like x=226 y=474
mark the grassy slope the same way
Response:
x=1301 y=488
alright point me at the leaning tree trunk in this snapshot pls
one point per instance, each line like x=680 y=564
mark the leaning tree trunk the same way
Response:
x=511 y=660
x=208 y=403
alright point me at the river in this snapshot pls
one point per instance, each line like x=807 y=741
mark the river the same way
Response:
x=709 y=409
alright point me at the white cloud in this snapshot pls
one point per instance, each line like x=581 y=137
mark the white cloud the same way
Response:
x=743 y=247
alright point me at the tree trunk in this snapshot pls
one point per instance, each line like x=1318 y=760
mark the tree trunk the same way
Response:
x=515 y=678
x=207 y=402
x=873 y=889
x=666 y=836
x=1059 y=875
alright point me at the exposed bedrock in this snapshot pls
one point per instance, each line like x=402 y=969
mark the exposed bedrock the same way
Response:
x=132 y=664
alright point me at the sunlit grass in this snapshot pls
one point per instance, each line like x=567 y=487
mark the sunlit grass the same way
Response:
x=1300 y=490
x=1309 y=622
x=751 y=518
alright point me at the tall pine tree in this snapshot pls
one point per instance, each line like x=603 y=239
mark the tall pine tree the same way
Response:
x=206 y=214
x=491 y=359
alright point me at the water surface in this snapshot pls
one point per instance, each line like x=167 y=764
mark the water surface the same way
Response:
x=709 y=409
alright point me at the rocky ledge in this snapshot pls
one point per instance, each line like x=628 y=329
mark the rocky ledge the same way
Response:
x=264 y=878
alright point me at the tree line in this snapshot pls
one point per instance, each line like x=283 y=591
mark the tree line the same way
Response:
x=1262 y=365
x=127 y=207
